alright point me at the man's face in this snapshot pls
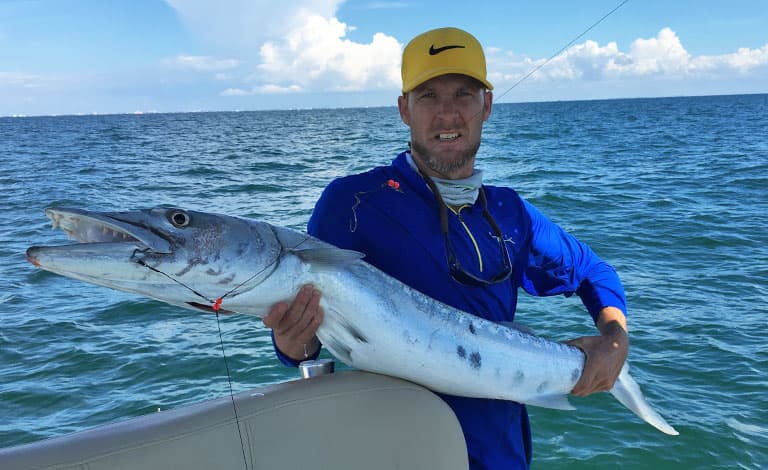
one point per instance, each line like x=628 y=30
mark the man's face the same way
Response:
x=446 y=116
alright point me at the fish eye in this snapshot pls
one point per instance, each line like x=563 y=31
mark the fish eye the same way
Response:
x=178 y=218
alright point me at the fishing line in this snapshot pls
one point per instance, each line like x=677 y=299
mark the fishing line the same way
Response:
x=216 y=307
x=562 y=49
x=231 y=392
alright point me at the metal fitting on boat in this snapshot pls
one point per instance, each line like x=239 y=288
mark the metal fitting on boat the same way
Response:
x=316 y=367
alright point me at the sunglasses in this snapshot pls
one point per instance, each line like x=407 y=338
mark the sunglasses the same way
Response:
x=458 y=273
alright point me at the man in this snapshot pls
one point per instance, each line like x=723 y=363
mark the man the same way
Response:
x=428 y=220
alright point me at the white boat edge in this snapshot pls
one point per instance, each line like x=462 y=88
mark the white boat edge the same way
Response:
x=344 y=420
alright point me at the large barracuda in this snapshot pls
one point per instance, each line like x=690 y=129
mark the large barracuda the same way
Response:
x=372 y=321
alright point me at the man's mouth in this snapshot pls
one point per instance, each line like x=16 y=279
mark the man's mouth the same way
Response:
x=448 y=137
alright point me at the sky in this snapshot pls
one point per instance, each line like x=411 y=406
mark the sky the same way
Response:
x=125 y=56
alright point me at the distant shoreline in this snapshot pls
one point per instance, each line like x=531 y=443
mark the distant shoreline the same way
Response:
x=153 y=113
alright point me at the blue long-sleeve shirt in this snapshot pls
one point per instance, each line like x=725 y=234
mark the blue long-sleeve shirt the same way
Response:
x=390 y=215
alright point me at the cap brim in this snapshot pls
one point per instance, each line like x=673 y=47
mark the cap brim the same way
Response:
x=416 y=81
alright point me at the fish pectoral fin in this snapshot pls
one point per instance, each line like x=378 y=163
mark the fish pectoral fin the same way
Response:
x=557 y=402
x=330 y=256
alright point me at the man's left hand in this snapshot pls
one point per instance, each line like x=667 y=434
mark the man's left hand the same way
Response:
x=605 y=354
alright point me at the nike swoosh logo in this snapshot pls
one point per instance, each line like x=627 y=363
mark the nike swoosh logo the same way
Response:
x=435 y=51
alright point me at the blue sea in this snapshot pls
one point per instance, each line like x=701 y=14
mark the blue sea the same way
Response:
x=672 y=191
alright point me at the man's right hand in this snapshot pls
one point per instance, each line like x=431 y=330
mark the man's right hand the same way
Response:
x=294 y=326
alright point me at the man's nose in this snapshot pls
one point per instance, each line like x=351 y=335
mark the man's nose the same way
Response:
x=447 y=107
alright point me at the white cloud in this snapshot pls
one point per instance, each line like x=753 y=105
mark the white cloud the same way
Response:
x=30 y=82
x=293 y=47
x=663 y=54
x=246 y=24
x=742 y=61
x=262 y=90
x=317 y=55
x=22 y=80
x=660 y=57
x=204 y=63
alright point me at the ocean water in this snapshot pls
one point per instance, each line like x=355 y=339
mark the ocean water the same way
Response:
x=673 y=192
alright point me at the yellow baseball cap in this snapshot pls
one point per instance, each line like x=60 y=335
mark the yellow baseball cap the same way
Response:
x=439 y=52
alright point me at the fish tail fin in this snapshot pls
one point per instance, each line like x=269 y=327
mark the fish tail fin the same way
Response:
x=628 y=392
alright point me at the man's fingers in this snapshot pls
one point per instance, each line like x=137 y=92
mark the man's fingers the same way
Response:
x=282 y=315
x=298 y=306
x=294 y=324
x=584 y=385
x=301 y=312
x=275 y=315
x=299 y=320
x=603 y=360
x=311 y=310
x=308 y=327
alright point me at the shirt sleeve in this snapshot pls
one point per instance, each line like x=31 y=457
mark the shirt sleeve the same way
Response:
x=289 y=361
x=558 y=263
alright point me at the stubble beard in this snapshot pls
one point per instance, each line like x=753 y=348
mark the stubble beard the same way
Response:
x=439 y=165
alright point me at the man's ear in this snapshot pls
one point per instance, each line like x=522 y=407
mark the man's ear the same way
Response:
x=402 y=105
x=487 y=105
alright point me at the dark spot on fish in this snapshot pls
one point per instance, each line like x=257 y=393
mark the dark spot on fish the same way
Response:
x=542 y=387
x=191 y=264
x=357 y=335
x=242 y=249
x=472 y=328
x=461 y=351
x=475 y=360
x=519 y=377
x=337 y=348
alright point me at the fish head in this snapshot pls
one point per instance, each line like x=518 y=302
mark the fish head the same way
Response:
x=181 y=257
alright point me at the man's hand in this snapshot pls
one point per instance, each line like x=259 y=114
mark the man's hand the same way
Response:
x=605 y=354
x=295 y=325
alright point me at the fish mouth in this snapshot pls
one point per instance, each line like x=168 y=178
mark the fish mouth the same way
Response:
x=92 y=228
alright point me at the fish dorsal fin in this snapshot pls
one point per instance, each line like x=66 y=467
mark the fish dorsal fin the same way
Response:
x=313 y=251
x=327 y=255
